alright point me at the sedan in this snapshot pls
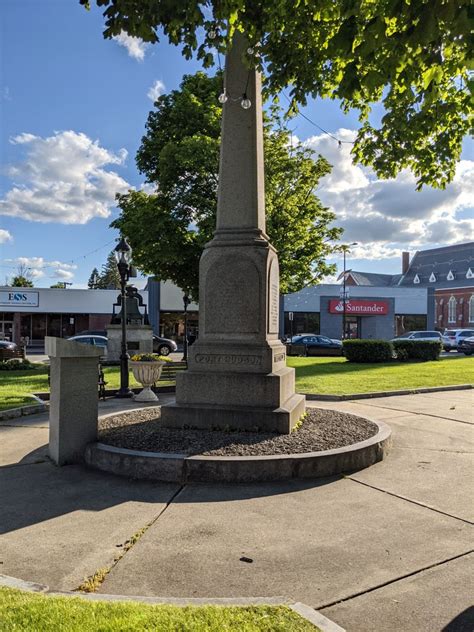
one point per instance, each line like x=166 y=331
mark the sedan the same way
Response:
x=8 y=350
x=96 y=341
x=163 y=346
x=434 y=336
x=466 y=346
x=314 y=346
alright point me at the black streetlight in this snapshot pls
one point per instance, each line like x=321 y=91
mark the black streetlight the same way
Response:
x=345 y=248
x=186 y=302
x=123 y=255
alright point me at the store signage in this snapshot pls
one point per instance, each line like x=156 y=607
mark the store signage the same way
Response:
x=360 y=308
x=18 y=298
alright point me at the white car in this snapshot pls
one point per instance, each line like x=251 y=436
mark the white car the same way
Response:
x=452 y=338
x=96 y=341
x=434 y=336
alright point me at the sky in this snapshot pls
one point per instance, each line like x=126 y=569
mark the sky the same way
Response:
x=73 y=112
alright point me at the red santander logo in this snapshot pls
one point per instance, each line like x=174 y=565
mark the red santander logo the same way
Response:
x=360 y=307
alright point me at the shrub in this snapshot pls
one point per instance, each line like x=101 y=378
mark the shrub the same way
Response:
x=16 y=364
x=368 y=350
x=402 y=355
x=418 y=349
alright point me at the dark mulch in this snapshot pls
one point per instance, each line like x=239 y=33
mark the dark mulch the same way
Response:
x=320 y=430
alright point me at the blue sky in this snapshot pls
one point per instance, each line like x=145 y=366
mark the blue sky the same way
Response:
x=74 y=108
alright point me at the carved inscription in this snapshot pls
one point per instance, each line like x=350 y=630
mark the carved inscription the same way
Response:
x=228 y=358
x=280 y=357
x=273 y=298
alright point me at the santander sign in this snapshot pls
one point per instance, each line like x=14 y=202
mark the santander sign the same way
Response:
x=361 y=308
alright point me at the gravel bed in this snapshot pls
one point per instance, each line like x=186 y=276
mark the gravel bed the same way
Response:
x=320 y=430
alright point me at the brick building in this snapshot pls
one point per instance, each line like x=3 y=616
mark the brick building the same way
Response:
x=448 y=274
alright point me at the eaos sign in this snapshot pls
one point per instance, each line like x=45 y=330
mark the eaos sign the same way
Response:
x=359 y=308
x=18 y=298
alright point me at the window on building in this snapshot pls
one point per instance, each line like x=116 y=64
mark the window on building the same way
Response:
x=432 y=277
x=303 y=323
x=416 y=279
x=471 y=309
x=450 y=276
x=409 y=322
x=452 y=303
x=469 y=274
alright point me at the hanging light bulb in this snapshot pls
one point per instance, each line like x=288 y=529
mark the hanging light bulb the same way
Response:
x=222 y=97
x=212 y=33
x=246 y=103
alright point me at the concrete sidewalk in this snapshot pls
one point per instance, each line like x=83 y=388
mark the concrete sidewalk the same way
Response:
x=388 y=548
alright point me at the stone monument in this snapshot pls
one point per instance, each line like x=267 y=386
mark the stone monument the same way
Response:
x=139 y=330
x=237 y=375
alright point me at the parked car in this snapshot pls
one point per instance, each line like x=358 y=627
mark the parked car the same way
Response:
x=466 y=345
x=453 y=337
x=314 y=345
x=96 y=341
x=420 y=335
x=8 y=350
x=163 y=346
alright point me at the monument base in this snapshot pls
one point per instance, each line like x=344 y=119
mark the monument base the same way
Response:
x=281 y=419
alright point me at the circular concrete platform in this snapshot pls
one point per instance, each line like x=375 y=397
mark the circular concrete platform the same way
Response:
x=182 y=468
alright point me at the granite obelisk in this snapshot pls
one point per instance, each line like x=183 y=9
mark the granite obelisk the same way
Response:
x=237 y=375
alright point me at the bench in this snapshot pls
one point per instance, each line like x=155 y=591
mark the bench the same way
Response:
x=171 y=369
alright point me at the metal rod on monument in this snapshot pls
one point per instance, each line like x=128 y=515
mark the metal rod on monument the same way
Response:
x=123 y=255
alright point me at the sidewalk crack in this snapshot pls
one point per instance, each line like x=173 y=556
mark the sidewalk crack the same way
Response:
x=92 y=583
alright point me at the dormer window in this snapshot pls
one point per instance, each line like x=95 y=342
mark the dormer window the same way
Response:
x=450 y=276
x=469 y=274
x=416 y=280
x=433 y=278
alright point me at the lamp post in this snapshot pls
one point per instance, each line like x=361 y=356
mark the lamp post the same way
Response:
x=186 y=302
x=345 y=248
x=123 y=255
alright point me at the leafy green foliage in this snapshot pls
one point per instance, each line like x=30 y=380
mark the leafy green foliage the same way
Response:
x=180 y=157
x=21 y=281
x=367 y=350
x=413 y=56
x=108 y=279
x=417 y=349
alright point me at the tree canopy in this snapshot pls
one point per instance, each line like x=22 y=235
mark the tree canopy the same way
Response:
x=21 y=281
x=180 y=157
x=414 y=56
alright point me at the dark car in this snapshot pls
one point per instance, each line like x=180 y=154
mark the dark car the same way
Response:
x=8 y=350
x=466 y=346
x=314 y=345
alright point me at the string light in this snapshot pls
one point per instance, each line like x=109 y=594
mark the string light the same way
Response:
x=246 y=103
x=223 y=98
x=212 y=34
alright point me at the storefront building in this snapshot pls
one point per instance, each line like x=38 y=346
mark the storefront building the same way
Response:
x=371 y=312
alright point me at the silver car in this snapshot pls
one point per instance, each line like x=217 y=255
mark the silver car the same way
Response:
x=435 y=336
x=97 y=341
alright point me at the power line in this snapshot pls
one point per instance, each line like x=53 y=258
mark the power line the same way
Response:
x=338 y=140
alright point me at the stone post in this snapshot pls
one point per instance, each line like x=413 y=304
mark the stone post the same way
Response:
x=73 y=411
x=237 y=375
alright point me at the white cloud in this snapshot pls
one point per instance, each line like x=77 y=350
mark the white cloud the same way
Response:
x=37 y=267
x=156 y=90
x=135 y=46
x=63 y=179
x=386 y=217
x=5 y=236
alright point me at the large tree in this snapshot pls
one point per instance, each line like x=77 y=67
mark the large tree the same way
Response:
x=180 y=157
x=109 y=279
x=413 y=56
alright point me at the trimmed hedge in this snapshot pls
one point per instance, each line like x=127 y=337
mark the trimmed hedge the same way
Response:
x=417 y=349
x=367 y=350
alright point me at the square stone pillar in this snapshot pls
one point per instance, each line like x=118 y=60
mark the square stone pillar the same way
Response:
x=237 y=376
x=73 y=410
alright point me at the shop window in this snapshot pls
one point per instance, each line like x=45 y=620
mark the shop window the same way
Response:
x=303 y=323
x=452 y=303
x=409 y=322
x=471 y=309
x=38 y=326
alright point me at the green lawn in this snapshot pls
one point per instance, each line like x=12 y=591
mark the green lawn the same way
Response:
x=336 y=376
x=333 y=376
x=29 y=611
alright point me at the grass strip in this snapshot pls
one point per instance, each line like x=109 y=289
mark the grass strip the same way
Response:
x=30 y=611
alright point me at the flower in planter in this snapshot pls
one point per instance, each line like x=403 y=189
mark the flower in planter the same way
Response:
x=150 y=357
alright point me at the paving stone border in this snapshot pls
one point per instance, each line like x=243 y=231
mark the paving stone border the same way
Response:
x=306 y=612
x=30 y=409
x=373 y=394
x=181 y=468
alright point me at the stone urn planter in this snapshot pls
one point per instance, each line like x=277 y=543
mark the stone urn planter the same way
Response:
x=146 y=369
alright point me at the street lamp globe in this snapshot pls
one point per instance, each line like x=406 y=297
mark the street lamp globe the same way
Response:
x=123 y=251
